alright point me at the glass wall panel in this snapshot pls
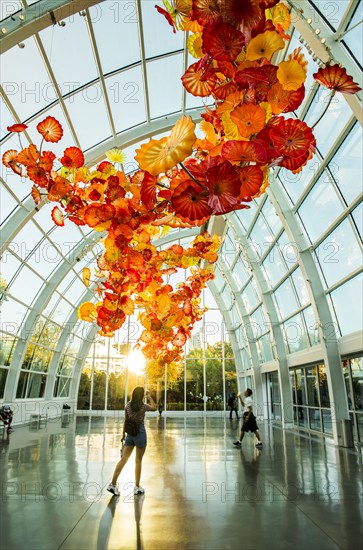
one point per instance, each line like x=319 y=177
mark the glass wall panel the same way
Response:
x=214 y=383
x=194 y=381
x=286 y=298
x=31 y=385
x=7 y=347
x=315 y=420
x=323 y=387
x=62 y=386
x=343 y=296
x=3 y=377
x=312 y=385
x=274 y=266
x=295 y=334
x=357 y=382
x=300 y=286
x=265 y=348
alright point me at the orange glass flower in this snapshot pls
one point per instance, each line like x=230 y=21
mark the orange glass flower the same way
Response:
x=199 y=80
x=28 y=156
x=50 y=129
x=159 y=155
x=292 y=137
x=249 y=119
x=336 y=78
x=37 y=175
x=72 y=157
x=243 y=151
x=251 y=178
x=57 y=216
x=98 y=213
x=17 y=128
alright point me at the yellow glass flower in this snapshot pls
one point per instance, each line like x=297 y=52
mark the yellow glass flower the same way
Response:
x=264 y=45
x=116 y=155
x=194 y=45
x=291 y=75
x=159 y=155
x=230 y=128
x=281 y=16
x=209 y=132
x=86 y=275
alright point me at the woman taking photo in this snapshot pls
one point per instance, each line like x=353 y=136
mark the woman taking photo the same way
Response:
x=134 y=414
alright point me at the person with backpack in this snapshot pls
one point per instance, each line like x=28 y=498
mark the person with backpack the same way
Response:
x=232 y=404
x=134 y=427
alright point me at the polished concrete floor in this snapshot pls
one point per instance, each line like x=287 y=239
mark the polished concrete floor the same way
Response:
x=200 y=492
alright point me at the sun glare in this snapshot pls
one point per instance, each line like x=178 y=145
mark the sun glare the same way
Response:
x=136 y=362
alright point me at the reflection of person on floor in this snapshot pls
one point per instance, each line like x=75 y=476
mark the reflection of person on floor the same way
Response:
x=249 y=423
x=6 y=415
x=160 y=406
x=134 y=410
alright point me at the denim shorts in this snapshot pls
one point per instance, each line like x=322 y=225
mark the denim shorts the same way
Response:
x=139 y=440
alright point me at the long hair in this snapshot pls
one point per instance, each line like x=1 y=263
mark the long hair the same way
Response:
x=137 y=399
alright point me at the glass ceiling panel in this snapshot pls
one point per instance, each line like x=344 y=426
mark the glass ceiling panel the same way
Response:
x=12 y=315
x=26 y=240
x=62 y=312
x=339 y=254
x=89 y=116
x=8 y=7
x=332 y=123
x=125 y=92
x=261 y=236
x=288 y=250
x=6 y=119
x=331 y=12
x=271 y=217
x=24 y=79
x=162 y=41
x=26 y=292
x=324 y=197
x=274 y=266
x=106 y=19
x=346 y=166
x=296 y=183
x=353 y=39
x=163 y=77
x=8 y=203
x=67 y=138
x=72 y=60
x=358 y=218
x=66 y=237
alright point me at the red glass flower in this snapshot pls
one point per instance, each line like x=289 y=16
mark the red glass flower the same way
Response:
x=336 y=78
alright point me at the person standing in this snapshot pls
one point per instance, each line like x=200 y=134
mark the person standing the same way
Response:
x=160 y=406
x=249 y=423
x=232 y=404
x=135 y=411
